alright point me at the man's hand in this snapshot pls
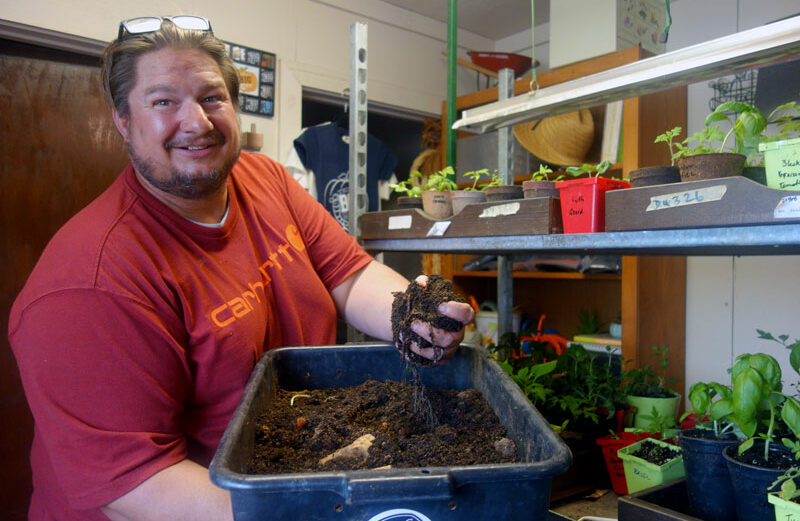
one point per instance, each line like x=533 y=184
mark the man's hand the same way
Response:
x=445 y=343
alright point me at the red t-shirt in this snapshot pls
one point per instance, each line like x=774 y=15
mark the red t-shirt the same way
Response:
x=138 y=329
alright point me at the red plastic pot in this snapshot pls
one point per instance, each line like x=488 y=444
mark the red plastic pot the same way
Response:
x=583 y=203
x=610 y=445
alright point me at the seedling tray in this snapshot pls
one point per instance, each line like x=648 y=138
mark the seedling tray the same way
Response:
x=536 y=216
x=697 y=204
x=498 y=491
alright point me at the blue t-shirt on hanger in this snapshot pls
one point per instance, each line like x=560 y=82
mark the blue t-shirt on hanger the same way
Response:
x=324 y=150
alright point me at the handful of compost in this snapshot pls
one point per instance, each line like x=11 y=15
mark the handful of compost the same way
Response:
x=420 y=303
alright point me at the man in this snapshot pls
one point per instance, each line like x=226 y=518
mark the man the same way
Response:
x=140 y=324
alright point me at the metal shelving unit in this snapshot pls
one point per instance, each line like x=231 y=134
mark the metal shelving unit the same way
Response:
x=777 y=239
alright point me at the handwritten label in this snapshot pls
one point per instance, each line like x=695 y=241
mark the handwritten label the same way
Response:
x=788 y=208
x=400 y=222
x=499 y=210
x=788 y=172
x=687 y=198
x=438 y=229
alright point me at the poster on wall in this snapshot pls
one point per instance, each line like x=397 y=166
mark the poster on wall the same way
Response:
x=256 y=79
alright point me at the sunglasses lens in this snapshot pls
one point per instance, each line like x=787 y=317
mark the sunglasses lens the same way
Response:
x=142 y=25
x=191 y=22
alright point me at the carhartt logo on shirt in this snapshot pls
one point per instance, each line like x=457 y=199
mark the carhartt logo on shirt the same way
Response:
x=242 y=304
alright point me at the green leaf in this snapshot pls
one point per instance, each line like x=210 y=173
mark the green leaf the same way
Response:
x=747 y=392
x=746 y=444
x=721 y=409
x=790 y=414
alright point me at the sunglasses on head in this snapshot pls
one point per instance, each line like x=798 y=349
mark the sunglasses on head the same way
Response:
x=149 y=24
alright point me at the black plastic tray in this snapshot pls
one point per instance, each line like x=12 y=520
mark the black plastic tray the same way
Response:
x=499 y=492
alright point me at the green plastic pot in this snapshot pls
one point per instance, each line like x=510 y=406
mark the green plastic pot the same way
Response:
x=784 y=510
x=644 y=406
x=640 y=474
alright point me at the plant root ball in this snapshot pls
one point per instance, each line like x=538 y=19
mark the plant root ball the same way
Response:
x=421 y=303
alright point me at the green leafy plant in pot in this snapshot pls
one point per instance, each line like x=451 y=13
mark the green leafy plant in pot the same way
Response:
x=647 y=389
x=764 y=414
x=706 y=161
x=436 y=193
x=660 y=174
x=470 y=194
x=583 y=207
x=411 y=189
x=496 y=190
x=708 y=483
x=540 y=184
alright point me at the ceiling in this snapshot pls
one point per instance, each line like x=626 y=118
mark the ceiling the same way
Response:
x=493 y=19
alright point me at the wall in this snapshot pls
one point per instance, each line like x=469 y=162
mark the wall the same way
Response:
x=311 y=38
x=728 y=298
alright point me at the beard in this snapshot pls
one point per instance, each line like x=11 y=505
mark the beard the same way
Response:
x=184 y=184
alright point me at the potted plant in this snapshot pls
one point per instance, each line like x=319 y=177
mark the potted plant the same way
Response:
x=412 y=188
x=650 y=462
x=785 y=499
x=708 y=482
x=764 y=414
x=470 y=194
x=497 y=191
x=540 y=184
x=704 y=160
x=648 y=392
x=781 y=152
x=436 y=193
x=583 y=199
x=577 y=391
x=659 y=175
x=610 y=445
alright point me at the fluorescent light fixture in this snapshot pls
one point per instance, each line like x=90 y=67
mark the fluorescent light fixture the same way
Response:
x=765 y=45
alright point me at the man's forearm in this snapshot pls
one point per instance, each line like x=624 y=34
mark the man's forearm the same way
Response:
x=181 y=492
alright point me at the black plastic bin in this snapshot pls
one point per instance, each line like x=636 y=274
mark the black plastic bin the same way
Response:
x=512 y=491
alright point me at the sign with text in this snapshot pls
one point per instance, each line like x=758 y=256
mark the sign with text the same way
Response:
x=256 y=71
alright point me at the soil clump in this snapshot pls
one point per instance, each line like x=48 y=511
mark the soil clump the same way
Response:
x=376 y=426
x=421 y=303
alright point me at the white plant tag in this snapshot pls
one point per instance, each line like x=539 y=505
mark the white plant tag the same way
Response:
x=400 y=222
x=686 y=198
x=500 y=210
x=788 y=207
x=438 y=229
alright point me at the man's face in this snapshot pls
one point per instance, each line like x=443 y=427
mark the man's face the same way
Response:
x=182 y=132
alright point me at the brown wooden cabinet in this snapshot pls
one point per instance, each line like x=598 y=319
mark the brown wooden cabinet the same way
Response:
x=650 y=294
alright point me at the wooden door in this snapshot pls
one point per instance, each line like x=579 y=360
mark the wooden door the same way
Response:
x=58 y=150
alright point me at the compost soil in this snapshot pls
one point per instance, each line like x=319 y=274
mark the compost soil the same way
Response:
x=654 y=453
x=421 y=303
x=301 y=428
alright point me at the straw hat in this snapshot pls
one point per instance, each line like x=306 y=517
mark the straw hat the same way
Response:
x=560 y=140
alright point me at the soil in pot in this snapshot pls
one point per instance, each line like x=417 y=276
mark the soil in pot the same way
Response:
x=654 y=453
x=421 y=303
x=372 y=425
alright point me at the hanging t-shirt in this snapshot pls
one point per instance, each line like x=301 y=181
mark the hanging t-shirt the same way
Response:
x=325 y=150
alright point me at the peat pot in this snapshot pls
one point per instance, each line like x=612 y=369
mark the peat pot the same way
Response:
x=710 y=166
x=533 y=189
x=654 y=175
x=509 y=491
x=503 y=193
x=437 y=204
x=461 y=198
x=409 y=202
